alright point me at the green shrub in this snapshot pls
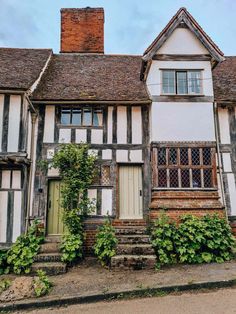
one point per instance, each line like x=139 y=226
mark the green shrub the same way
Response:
x=4 y=285
x=105 y=243
x=73 y=221
x=42 y=285
x=4 y=268
x=162 y=239
x=204 y=240
x=21 y=255
x=71 y=247
x=195 y=240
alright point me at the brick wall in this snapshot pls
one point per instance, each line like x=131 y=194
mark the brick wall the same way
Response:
x=82 y=30
x=91 y=228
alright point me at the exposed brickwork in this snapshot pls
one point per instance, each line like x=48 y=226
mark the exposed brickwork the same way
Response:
x=124 y=222
x=91 y=228
x=82 y=30
x=233 y=225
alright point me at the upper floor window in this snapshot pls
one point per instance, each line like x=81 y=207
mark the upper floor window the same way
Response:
x=82 y=116
x=181 y=82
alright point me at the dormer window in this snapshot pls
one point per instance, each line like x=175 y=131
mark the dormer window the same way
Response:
x=181 y=82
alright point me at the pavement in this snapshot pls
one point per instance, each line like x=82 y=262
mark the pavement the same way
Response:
x=89 y=282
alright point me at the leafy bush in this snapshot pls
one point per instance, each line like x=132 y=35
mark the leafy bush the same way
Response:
x=21 y=255
x=204 y=240
x=42 y=285
x=195 y=240
x=4 y=285
x=162 y=238
x=73 y=221
x=71 y=247
x=4 y=268
x=105 y=243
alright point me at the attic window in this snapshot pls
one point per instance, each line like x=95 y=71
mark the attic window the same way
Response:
x=181 y=82
x=82 y=116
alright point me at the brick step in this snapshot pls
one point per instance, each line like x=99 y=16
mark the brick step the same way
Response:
x=128 y=222
x=185 y=195
x=133 y=239
x=48 y=257
x=52 y=268
x=135 y=262
x=134 y=249
x=52 y=247
x=130 y=230
x=52 y=239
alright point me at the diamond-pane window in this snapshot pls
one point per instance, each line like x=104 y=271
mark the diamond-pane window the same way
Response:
x=162 y=156
x=207 y=173
x=174 y=178
x=195 y=154
x=106 y=175
x=162 y=178
x=185 y=178
x=206 y=153
x=184 y=156
x=173 y=156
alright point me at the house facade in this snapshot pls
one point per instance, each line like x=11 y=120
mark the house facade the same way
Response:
x=152 y=120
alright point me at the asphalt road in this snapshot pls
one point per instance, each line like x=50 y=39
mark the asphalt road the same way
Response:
x=222 y=301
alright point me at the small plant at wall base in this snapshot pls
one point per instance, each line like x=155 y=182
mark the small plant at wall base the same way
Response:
x=77 y=169
x=21 y=255
x=42 y=284
x=105 y=243
x=195 y=240
x=4 y=268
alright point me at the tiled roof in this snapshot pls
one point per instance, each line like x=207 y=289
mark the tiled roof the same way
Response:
x=224 y=80
x=94 y=77
x=20 y=68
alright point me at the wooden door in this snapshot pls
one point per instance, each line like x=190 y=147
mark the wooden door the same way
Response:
x=130 y=192
x=54 y=218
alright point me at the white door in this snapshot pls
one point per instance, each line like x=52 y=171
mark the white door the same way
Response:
x=130 y=192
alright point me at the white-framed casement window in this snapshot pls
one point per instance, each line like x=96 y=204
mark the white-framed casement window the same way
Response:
x=82 y=116
x=181 y=82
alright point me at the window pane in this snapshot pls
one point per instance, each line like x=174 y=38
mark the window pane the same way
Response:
x=196 y=178
x=194 y=82
x=195 y=153
x=207 y=178
x=162 y=178
x=162 y=156
x=168 y=82
x=185 y=181
x=174 y=178
x=65 y=116
x=76 y=116
x=184 y=156
x=182 y=83
x=206 y=152
x=87 y=117
x=97 y=117
x=173 y=156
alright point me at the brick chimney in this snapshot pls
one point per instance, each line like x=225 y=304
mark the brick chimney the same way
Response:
x=82 y=30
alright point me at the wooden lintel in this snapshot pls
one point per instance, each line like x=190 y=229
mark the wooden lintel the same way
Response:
x=177 y=57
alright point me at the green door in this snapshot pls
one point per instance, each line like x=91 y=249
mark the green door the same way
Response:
x=54 y=219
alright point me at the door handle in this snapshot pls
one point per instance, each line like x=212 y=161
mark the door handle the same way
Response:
x=140 y=193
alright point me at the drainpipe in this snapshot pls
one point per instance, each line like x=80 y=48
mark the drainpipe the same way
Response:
x=32 y=142
x=219 y=160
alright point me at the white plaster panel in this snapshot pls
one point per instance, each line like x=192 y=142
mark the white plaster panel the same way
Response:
x=16 y=179
x=6 y=179
x=14 y=123
x=121 y=125
x=109 y=125
x=96 y=136
x=136 y=125
x=136 y=155
x=93 y=152
x=53 y=172
x=1 y=118
x=50 y=153
x=227 y=162
x=80 y=135
x=3 y=216
x=17 y=215
x=122 y=155
x=232 y=193
x=182 y=122
x=65 y=136
x=106 y=202
x=182 y=41
x=154 y=78
x=49 y=124
x=92 y=195
x=224 y=126
x=107 y=154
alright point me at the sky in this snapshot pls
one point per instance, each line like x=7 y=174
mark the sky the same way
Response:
x=130 y=25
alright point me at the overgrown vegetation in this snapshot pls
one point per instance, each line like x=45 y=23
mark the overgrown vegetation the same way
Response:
x=21 y=255
x=4 y=268
x=194 y=240
x=77 y=169
x=105 y=243
x=4 y=285
x=42 y=284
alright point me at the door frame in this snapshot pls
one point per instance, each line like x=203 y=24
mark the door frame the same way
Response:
x=127 y=164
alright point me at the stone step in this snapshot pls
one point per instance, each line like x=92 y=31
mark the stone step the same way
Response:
x=52 y=239
x=135 y=262
x=134 y=249
x=52 y=247
x=133 y=239
x=130 y=230
x=48 y=257
x=52 y=268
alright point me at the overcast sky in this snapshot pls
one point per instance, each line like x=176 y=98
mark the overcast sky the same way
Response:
x=130 y=25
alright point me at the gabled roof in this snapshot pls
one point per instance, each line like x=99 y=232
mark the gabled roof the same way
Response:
x=224 y=80
x=183 y=17
x=20 y=68
x=92 y=77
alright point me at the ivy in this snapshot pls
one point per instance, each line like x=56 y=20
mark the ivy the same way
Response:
x=105 y=243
